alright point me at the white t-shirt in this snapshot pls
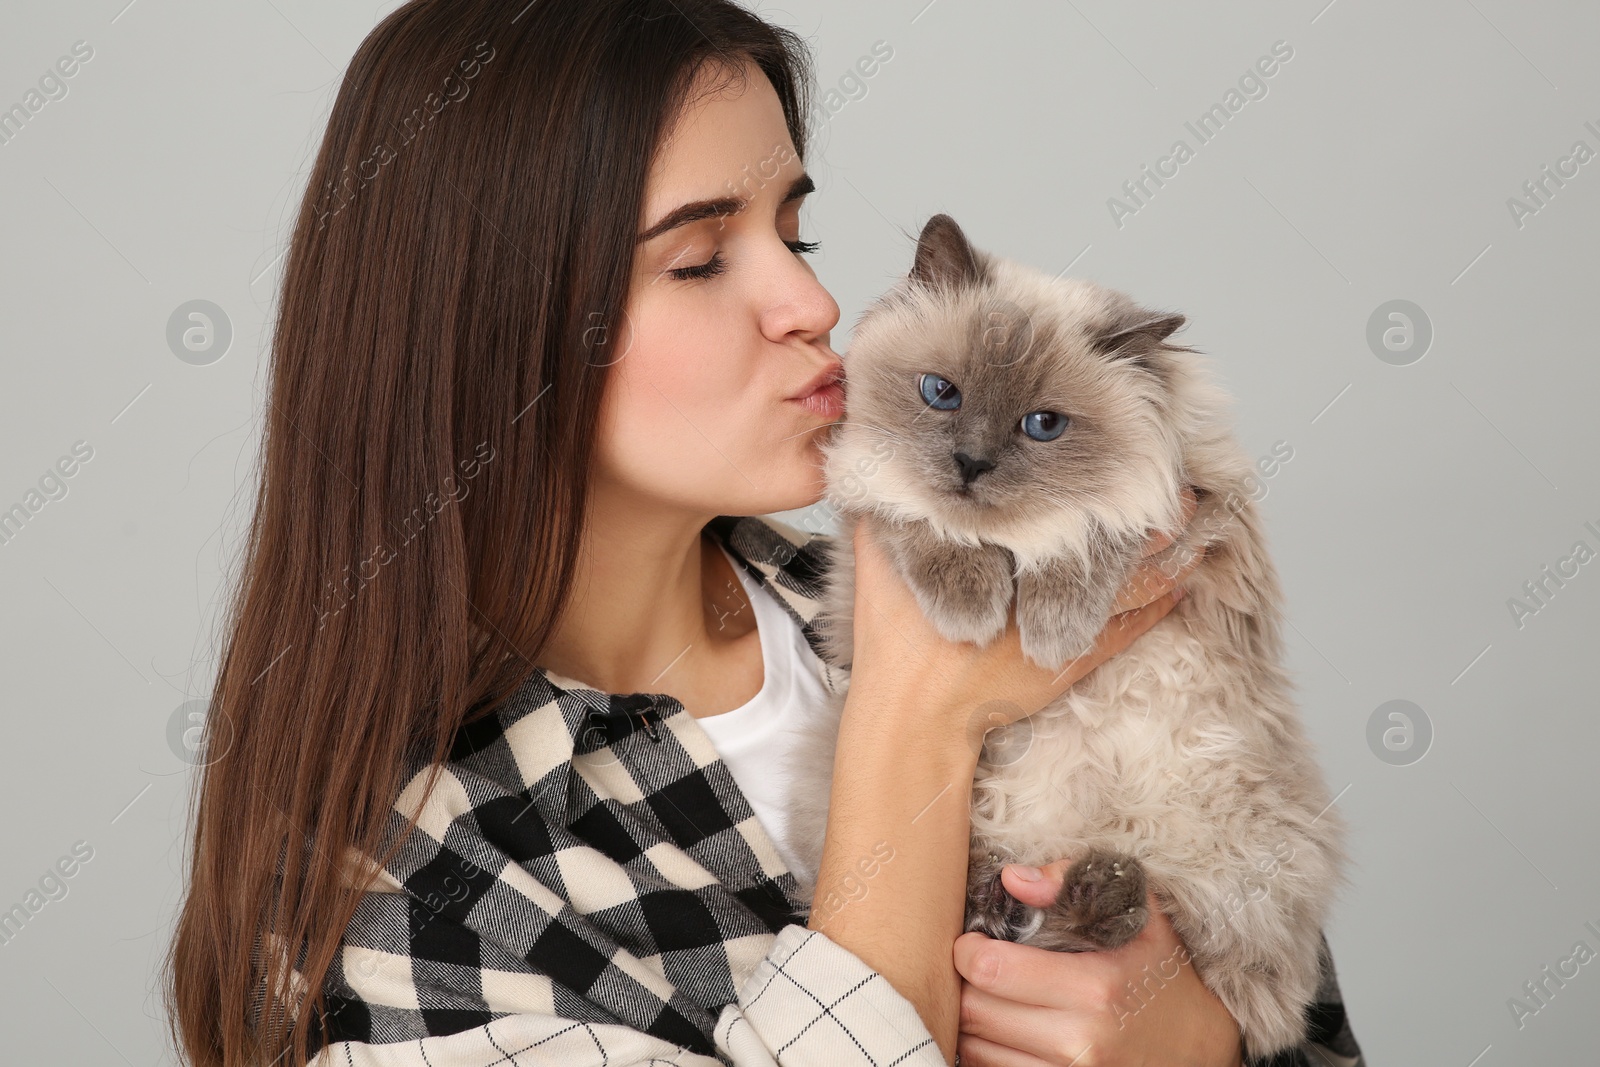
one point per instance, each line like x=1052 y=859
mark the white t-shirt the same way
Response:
x=755 y=740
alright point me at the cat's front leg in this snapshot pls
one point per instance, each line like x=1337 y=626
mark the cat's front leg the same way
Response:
x=1063 y=603
x=964 y=590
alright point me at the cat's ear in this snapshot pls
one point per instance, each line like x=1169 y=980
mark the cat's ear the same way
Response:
x=1136 y=334
x=945 y=259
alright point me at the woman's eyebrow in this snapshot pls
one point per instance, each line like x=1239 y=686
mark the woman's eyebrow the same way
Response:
x=696 y=210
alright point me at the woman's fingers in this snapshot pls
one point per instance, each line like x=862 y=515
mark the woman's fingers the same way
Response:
x=1125 y=626
x=1159 y=541
x=1140 y=1003
x=1159 y=574
x=980 y=1052
x=1013 y=1033
x=1048 y=979
x=1156 y=578
x=1037 y=976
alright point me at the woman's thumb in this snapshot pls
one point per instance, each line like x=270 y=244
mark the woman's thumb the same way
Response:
x=1037 y=887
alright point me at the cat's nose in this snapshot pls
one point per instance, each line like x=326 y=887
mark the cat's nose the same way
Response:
x=971 y=468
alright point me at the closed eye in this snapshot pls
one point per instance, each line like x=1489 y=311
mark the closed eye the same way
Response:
x=714 y=265
x=717 y=264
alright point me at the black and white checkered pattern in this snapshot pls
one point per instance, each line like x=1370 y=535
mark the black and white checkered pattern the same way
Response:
x=588 y=884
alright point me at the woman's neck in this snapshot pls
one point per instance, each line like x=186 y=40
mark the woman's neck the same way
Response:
x=656 y=607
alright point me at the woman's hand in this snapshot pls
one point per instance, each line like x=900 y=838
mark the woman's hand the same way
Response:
x=898 y=648
x=1141 y=1004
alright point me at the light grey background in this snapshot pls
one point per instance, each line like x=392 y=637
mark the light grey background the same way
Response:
x=1378 y=166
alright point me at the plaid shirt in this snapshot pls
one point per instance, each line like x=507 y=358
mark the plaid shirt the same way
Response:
x=587 y=884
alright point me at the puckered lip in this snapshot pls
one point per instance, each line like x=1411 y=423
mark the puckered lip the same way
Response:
x=831 y=374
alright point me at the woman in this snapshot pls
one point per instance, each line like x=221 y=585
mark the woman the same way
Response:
x=546 y=331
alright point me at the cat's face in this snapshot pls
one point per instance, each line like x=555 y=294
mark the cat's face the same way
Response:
x=1005 y=406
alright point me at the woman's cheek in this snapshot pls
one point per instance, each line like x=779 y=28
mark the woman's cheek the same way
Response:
x=681 y=411
x=641 y=435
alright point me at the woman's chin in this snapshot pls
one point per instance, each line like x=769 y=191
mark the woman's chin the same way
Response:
x=801 y=483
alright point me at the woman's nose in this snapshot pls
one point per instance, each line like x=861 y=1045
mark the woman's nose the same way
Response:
x=801 y=305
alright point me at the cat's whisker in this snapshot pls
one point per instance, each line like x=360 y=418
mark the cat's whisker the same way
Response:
x=809 y=429
x=884 y=433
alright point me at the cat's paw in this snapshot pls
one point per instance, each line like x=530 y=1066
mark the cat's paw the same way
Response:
x=963 y=590
x=966 y=610
x=1102 y=904
x=1064 y=603
x=991 y=910
x=1055 y=631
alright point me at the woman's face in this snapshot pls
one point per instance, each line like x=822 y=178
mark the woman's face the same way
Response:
x=725 y=322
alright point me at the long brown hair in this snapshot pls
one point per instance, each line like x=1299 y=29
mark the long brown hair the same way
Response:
x=451 y=302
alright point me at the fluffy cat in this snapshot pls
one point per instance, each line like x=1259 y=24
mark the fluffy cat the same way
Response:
x=1015 y=438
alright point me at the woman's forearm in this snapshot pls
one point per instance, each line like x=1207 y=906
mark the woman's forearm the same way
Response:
x=892 y=882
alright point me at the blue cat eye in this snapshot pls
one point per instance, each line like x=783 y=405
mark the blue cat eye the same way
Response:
x=1044 y=425
x=939 y=393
